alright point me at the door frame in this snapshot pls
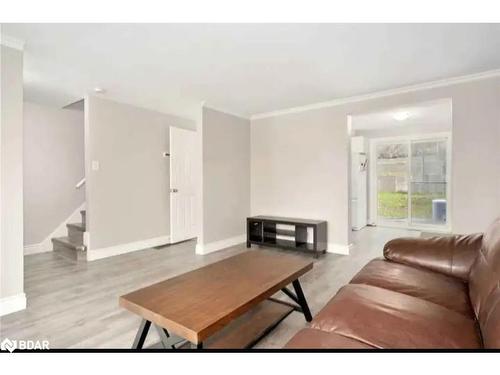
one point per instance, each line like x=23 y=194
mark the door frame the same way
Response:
x=373 y=185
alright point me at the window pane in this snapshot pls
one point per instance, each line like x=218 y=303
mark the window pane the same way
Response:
x=428 y=182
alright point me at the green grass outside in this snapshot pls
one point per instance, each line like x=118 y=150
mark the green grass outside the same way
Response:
x=394 y=205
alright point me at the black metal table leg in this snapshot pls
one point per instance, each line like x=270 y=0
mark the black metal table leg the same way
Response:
x=164 y=338
x=141 y=335
x=290 y=295
x=302 y=300
x=167 y=340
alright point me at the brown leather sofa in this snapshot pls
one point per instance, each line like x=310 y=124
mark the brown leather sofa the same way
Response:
x=436 y=293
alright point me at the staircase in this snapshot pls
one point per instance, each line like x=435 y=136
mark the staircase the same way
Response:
x=72 y=246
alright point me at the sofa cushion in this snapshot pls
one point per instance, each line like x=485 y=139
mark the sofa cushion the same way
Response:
x=315 y=339
x=388 y=319
x=431 y=286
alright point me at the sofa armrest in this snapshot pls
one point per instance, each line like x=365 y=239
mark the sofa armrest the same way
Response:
x=450 y=255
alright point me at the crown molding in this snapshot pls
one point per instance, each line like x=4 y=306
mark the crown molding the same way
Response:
x=209 y=106
x=381 y=94
x=11 y=42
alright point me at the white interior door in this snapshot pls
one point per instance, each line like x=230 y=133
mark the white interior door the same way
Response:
x=182 y=184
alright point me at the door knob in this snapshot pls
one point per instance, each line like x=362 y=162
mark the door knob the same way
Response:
x=174 y=190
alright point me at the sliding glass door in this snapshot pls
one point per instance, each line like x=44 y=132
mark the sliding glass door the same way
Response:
x=410 y=182
x=392 y=183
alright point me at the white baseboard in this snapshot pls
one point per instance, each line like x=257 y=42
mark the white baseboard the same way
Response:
x=60 y=231
x=95 y=254
x=203 y=249
x=12 y=304
x=335 y=248
x=37 y=248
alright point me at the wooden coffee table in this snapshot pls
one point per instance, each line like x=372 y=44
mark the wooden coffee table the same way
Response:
x=226 y=305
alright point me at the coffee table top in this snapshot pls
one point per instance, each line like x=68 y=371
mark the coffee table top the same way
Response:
x=197 y=304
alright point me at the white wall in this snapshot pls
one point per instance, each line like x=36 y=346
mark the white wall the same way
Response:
x=128 y=206
x=53 y=164
x=12 y=296
x=225 y=164
x=398 y=130
x=300 y=159
x=299 y=168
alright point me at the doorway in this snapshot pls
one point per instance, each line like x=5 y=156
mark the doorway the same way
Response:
x=401 y=166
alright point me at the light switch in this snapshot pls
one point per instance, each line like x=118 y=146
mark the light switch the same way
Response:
x=95 y=165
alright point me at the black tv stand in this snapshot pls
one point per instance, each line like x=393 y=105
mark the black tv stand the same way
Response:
x=287 y=233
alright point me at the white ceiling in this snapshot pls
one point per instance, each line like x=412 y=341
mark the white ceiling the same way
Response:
x=244 y=68
x=433 y=115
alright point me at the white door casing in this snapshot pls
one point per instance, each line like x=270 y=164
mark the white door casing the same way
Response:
x=182 y=184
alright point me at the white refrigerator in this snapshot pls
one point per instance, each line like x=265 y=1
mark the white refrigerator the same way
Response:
x=359 y=194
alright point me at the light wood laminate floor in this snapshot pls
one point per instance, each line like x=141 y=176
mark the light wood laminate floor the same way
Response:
x=76 y=305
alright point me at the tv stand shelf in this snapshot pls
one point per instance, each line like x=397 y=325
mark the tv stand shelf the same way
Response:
x=287 y=233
